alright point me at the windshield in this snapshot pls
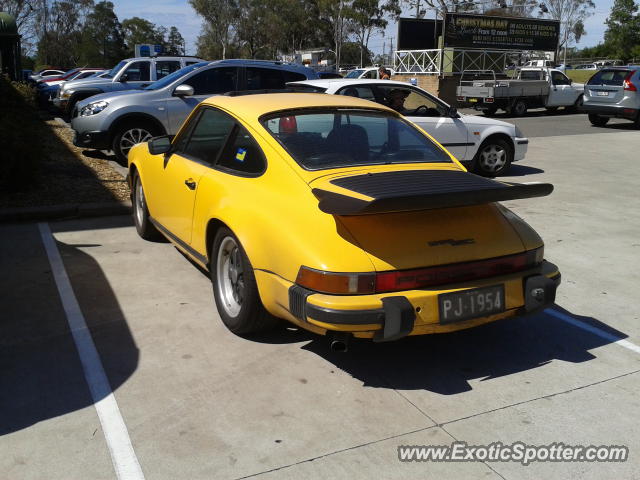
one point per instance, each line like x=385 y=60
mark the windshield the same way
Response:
x=112 y=73
x=169 y=79
x=68 y=73
x=331 y=138
x=354 y=74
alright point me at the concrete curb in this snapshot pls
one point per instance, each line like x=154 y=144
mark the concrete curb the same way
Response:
x=71 y=210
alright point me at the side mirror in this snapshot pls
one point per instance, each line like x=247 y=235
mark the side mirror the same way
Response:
x=159 y=145
x=123 y=78
x=453 y=112
x=183 y=90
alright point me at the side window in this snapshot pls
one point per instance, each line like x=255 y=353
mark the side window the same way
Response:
x=372 y=74
x=293 y=76
x=138 y=72
x=165 y=67
x=264 y=79
x=208 y=135
x=359 y=92
x=559 y=79
x=242 y=154
x=214 y=80
x=409 y=102
x=190 y=62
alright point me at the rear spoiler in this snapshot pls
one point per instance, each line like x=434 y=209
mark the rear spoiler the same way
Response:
x=408 y=190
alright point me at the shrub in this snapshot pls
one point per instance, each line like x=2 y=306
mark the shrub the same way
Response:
x=21 y=134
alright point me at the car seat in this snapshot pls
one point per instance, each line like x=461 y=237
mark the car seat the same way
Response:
x=351 y=140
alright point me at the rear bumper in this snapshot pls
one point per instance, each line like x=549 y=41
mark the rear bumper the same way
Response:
x=387 y=317
x=613 y=111
x=92 y=140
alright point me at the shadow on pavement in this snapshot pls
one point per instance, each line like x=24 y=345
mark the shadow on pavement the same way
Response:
x=41 y=375
x=521 y=170
x=445 y=363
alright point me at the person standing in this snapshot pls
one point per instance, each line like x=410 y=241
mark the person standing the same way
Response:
x=383 y=74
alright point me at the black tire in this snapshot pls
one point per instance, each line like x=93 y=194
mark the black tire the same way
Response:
x=140 y=212
x=598 y=121
x=490 y=112
x=519 y=108
x=128 y=134
x=575 y=108
x=239 y=305
x=487 y=165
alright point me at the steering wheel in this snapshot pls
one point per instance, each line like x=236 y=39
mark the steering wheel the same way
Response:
x=421 y=110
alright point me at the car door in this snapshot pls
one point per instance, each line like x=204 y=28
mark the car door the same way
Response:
x=136 y=75
x=205 y=82
x=561 y=93
x=172 y=183
x=430 y=114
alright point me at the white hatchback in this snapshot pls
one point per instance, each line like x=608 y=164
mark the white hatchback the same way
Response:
x=487 y=146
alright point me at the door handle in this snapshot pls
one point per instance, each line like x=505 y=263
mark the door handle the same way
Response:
x=190 y=183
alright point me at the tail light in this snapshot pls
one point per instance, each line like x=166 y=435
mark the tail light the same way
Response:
x=460 y=99
x=488 y=100
x=627 y=83
x=288 y=125
x=398 y=280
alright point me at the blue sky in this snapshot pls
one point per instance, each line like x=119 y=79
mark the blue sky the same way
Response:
x=180 y=14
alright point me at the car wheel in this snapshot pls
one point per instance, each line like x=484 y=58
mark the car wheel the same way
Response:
x=519 y=108
x=598 y=121
x=489 y=112
x=129 y=135
x=493 y=158
x=234 y=287
x=143 y=224
x=575 y=108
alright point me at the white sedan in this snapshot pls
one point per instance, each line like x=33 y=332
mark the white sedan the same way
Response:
x=486 y=145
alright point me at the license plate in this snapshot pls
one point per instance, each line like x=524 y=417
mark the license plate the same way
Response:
x=477 y=302
x=603 y=94
x=473 y=100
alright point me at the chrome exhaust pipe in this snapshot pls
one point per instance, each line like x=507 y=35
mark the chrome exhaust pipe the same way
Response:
x=339 y=342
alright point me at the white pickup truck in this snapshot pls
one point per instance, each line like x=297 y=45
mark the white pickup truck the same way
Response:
x=533 y=88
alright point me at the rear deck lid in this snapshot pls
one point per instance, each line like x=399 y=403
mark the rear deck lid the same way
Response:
x=607 y=86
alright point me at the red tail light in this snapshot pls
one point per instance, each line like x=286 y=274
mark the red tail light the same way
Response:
x=395 y=281
x=288 y=125
x=627 y=83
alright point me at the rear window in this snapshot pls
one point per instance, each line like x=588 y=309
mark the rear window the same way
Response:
x=333 y=138
x=614 y=78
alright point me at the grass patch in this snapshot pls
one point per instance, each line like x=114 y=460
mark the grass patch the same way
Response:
x=580 y=76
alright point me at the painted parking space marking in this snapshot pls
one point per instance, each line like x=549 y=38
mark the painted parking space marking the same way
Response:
x=596 y=331
x=115 y=431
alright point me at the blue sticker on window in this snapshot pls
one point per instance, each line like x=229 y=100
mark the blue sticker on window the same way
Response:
x=240 y=154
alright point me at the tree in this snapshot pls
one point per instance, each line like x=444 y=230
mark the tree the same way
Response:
x=571 y=14
x=622 y=36
x=368 y=16
x=138 y=31
x=255 y=26
x=102 y=37
x=175 y=42
x=334 y=14
x=61 y=35
x=219 y=16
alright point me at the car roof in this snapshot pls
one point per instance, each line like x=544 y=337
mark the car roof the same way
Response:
x=160 y=57
x=254 y=106
x=325 y=83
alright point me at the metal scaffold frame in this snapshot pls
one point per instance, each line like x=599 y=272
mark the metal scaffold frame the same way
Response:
x=453 y=60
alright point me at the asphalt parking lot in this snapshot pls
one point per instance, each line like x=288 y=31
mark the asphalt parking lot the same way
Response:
x=184 y=398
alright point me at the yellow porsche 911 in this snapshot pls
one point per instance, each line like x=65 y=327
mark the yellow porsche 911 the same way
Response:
x=338 y=215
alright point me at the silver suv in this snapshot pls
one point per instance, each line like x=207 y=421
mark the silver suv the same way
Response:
x=613 y=93
x=130 y=73
x=119 y=120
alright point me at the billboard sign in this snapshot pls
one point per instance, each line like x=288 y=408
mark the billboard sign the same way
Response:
x=503 y=33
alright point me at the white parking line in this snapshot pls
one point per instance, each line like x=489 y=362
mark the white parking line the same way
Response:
x=115 y=431
x=596 y=331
